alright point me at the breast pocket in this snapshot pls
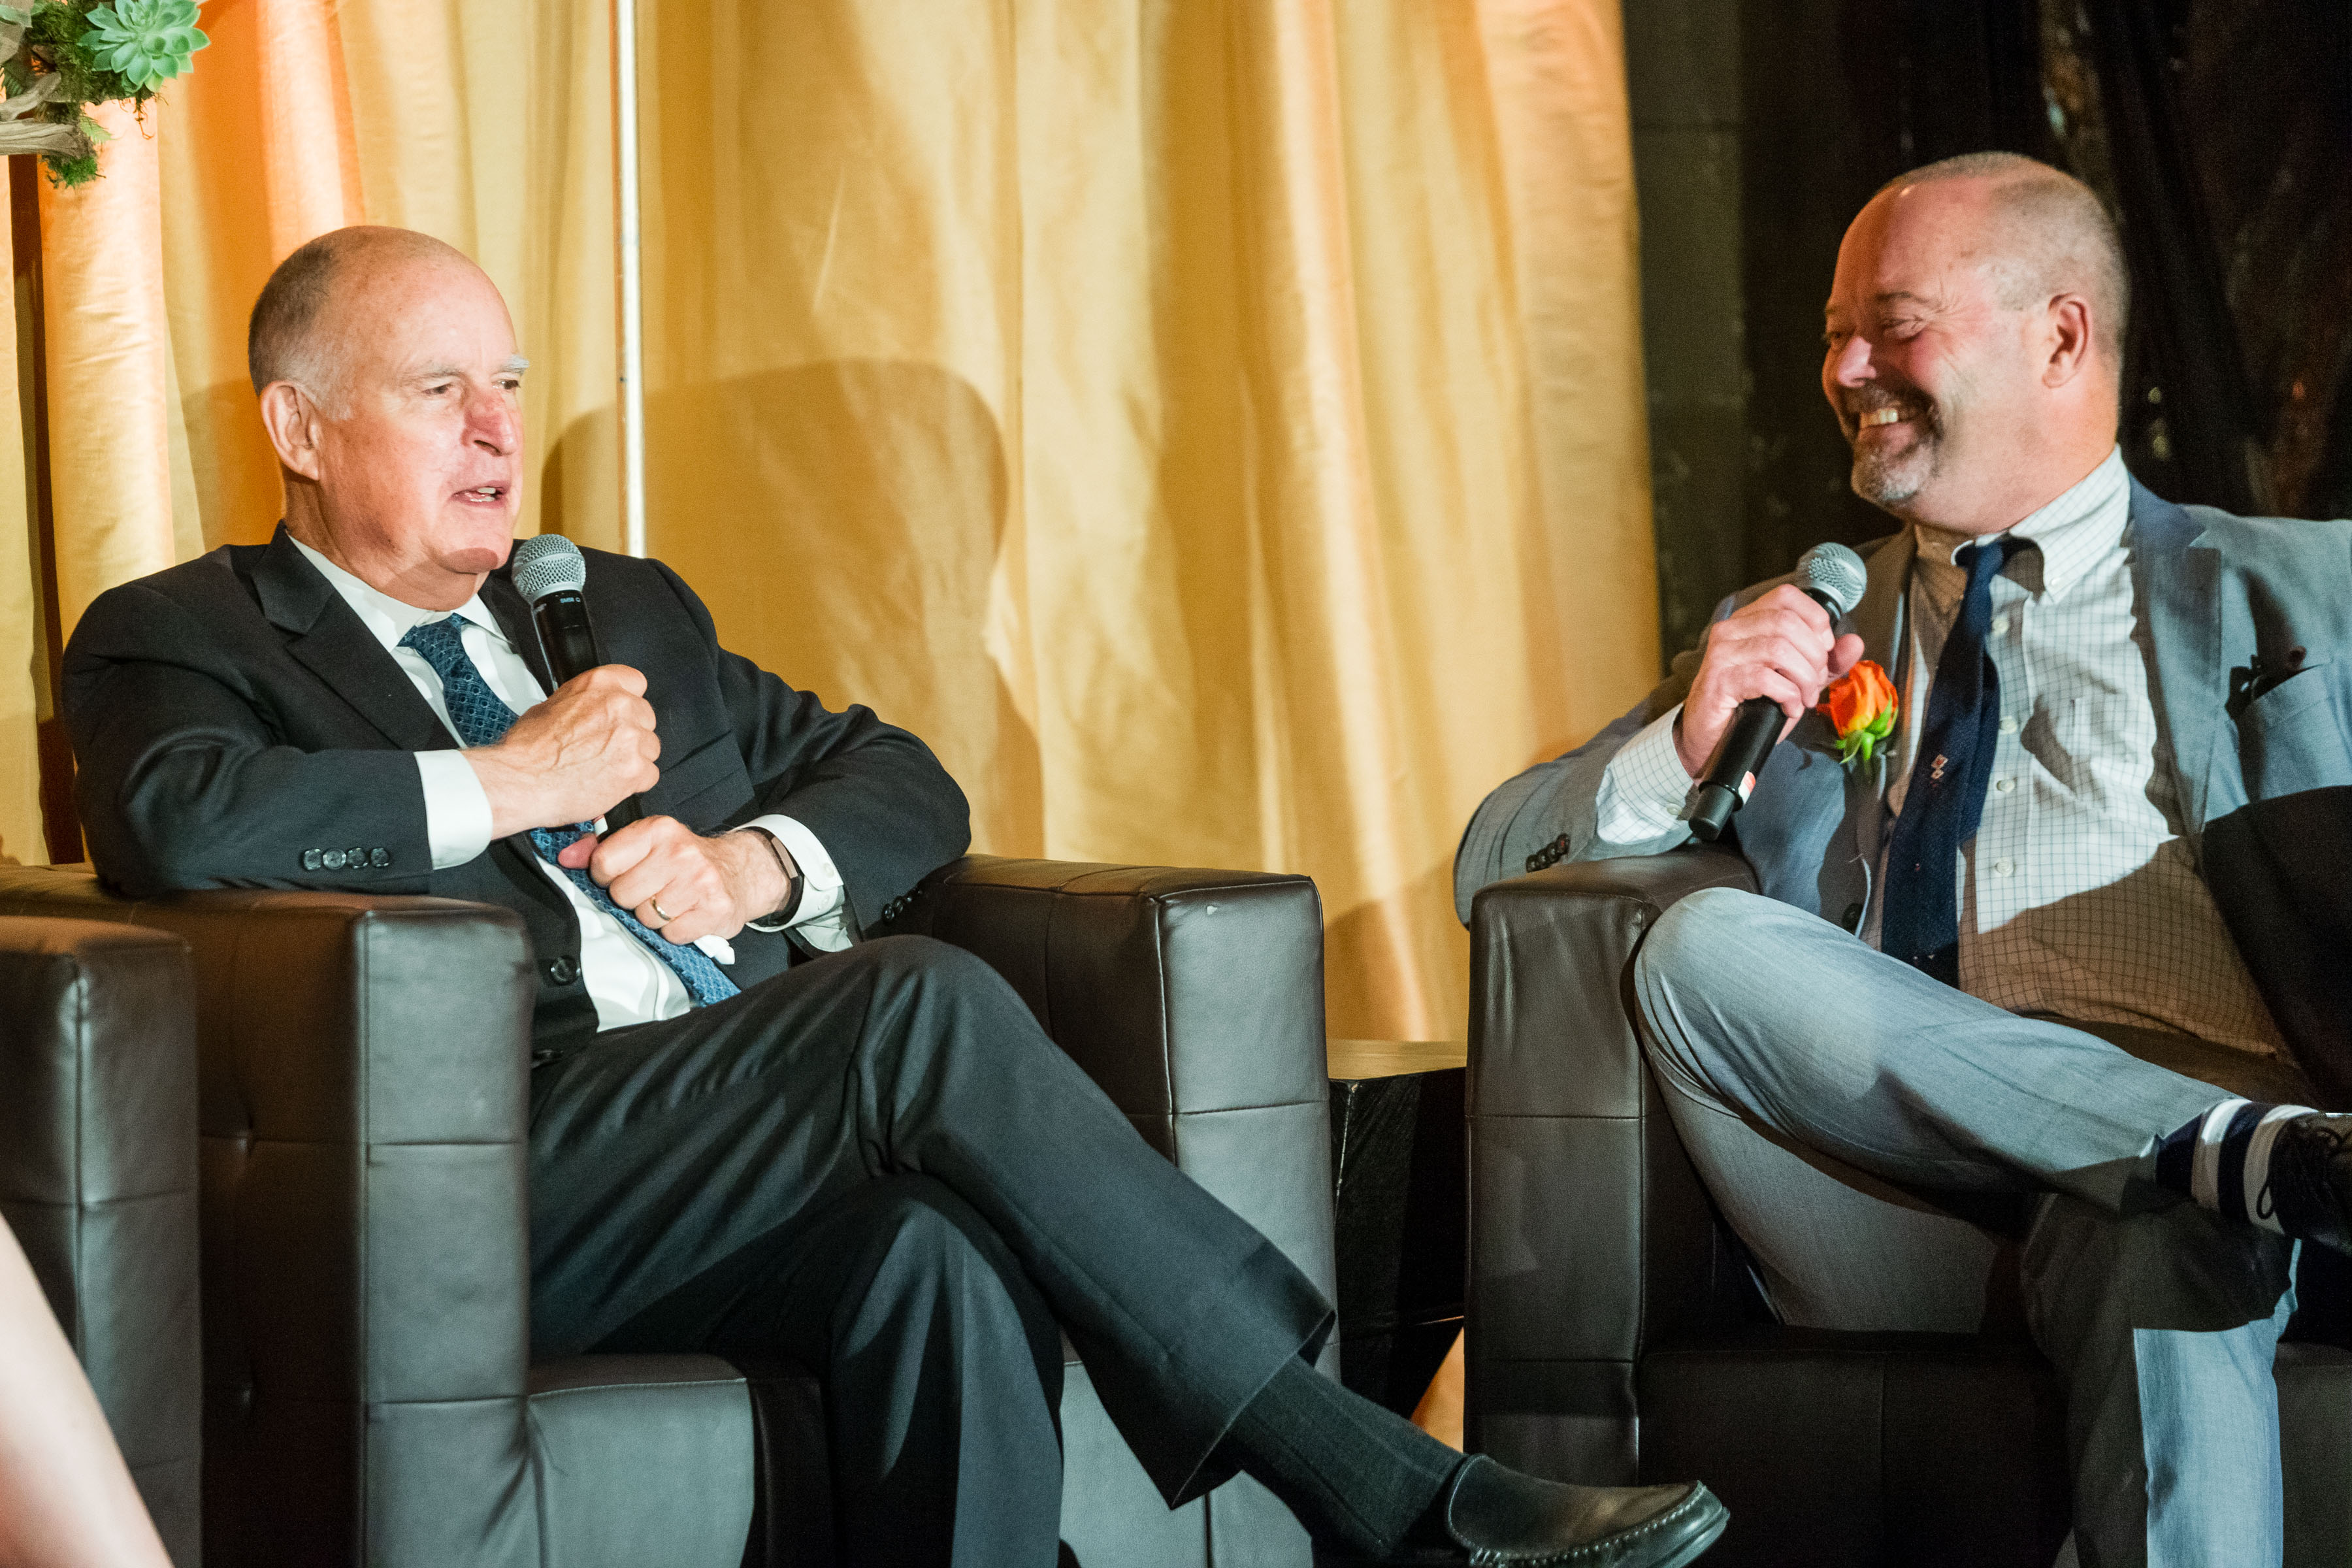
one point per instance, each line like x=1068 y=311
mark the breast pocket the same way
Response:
x=702 y=788
x=2291 y=738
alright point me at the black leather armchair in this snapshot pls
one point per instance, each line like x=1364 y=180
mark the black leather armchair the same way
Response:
x=1615 y=1334
x=98 y=1179
x=368 y=1390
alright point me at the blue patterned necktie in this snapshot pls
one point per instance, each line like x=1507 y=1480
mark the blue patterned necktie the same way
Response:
x=1944 y=799
x=480 y=718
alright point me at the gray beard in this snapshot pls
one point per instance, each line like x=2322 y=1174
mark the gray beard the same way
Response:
x=1889 y=481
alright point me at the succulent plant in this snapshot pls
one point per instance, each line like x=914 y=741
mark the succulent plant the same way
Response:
x=143 y=41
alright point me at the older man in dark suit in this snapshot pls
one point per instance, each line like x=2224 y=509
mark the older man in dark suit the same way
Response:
x=750 y=1126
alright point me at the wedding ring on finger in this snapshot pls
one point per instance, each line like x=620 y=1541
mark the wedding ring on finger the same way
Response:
x=666 y=916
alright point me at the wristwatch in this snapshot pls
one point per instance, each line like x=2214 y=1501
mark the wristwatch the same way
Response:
x=794 y=884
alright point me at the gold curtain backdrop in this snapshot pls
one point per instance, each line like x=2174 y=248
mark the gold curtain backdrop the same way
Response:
x=1216 y=426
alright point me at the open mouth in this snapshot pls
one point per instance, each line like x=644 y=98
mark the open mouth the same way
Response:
x=1884 y=416
x=484 y=495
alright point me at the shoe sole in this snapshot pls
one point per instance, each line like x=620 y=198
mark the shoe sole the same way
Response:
x=1696 y=1536
x=1710 y=1534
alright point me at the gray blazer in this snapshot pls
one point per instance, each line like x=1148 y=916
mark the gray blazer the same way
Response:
x=2263 y=771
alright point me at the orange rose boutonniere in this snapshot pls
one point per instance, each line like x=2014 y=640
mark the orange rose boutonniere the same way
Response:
x=1860 y=706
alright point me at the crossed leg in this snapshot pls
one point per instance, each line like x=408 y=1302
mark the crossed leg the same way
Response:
x=1839 y=1105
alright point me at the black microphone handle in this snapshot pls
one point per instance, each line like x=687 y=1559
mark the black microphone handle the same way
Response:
x=1722 y=789
x=1755 y=730
x=567 y=636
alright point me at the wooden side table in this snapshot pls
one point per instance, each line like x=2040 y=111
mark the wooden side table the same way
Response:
x=1400 y=1174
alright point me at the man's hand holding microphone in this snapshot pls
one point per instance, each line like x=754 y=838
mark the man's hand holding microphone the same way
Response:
x=1763 y=666
x=588 y=751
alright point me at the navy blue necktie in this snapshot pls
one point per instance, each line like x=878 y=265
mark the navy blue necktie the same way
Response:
x=480 y=718
x=1944 y=799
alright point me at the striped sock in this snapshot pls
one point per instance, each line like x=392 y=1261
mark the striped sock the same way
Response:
x=2221 y=1160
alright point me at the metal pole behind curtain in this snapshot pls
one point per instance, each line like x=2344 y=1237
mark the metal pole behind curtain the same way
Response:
x=632 y=280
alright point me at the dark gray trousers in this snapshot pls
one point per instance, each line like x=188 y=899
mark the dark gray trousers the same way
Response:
x=876 y=1163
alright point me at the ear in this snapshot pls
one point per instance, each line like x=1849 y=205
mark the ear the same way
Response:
x=292 y=420
x=2068 y=340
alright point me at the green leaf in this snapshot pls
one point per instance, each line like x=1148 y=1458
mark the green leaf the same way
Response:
x=143 y=41
x=68 y=173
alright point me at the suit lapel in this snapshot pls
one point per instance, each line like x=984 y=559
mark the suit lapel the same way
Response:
x=1879 y=622
x=327 y=635
x=505 y=602
x=2175 y=576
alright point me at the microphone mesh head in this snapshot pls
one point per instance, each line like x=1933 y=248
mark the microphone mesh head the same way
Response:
x=547 y=563
x=1835 y=573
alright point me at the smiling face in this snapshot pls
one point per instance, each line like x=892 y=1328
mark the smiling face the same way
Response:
x=406 y=472
x=1961 y=386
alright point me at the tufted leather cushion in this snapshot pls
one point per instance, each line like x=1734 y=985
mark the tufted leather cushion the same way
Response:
x=1195 y=999
x=361 y=1067
x=1614 y=1336
x=369 y=1396
x=98 y=1178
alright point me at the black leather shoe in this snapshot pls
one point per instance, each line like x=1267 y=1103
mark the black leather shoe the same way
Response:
x=2311 y=1180
x=1497 y=1516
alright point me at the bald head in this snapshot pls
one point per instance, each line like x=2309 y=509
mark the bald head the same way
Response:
x=299 y=323
x=2042 y=233
x=1973 y=340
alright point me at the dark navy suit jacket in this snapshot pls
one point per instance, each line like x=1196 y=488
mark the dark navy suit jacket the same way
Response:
x=237 y=726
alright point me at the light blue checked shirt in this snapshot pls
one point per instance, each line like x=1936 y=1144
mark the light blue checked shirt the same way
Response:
x=2078 y=895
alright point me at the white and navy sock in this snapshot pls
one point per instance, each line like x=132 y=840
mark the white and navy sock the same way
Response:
x=2223 y=1159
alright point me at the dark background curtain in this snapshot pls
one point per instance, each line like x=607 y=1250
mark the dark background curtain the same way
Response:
x=2219 y=131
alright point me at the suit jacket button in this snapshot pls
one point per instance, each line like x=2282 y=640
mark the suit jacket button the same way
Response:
x=563 y=969
x=355 y=857
x=379 y=857
x=311 y=860
x=332 y=859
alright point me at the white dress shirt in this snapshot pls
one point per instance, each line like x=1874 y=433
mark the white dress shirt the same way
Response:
x=2078 y=895
x=625 y=981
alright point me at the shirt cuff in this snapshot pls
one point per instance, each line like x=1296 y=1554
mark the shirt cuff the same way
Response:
x=1643 y=787
x=456 y=808
x=823 y=918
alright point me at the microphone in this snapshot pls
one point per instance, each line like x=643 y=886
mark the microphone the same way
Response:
x=1831 y=576
x=550 y=572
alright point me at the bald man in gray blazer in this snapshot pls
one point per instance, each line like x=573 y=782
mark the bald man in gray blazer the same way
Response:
x=2079 y=939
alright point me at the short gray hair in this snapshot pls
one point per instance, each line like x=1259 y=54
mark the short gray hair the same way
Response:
x=283 y=341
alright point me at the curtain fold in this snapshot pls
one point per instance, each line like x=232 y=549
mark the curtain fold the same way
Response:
x=1216 y=425
x=109 y=454
x=23 y=669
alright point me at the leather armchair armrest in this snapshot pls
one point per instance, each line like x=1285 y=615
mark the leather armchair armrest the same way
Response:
x=1590 y=1234
x=361 y=1068
x=1193 y=997
x=98 y=1178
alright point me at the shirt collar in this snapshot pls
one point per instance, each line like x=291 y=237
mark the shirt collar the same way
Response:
x=386 y=618
x=2072 y=532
